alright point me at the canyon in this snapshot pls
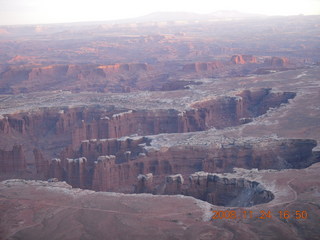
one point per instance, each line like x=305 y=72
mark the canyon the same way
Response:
x=105 y=147
x=160 y=124
x=106 y=125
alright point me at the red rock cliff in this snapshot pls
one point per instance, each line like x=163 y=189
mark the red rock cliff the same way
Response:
x=120 y=173
x=277 y=61
x=13 y=160
x=243 y=59
x=198 y=67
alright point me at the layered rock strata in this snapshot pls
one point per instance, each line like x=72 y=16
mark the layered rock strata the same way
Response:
x=145 y=183
x=221 y=191
x=98 y=157
x=243 y=59
x=113 y=165
x=70 y=126
x=227 y=191
x=12 y=160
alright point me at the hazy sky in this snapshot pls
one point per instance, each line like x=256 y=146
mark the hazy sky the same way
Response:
x=51 y=11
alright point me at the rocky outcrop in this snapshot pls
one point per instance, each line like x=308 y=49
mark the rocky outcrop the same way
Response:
x=103 y=78
x=56 y=169
x=76 y=172
x=277 y=62
x=217 y=190
x=280 y=154
x=91 y=123
x=41 y=165
x=227 y=111
x=255 y=103
x=173 y=184
x=73 y=127
x=145 y=183
x=231 y=192
x=133 y=158
x=243 y=59
x=73 y=171
x=12 y=161
x=125 y=67
x=103 y=174
x=123 y=149
x=69 y=208
x=198 y=67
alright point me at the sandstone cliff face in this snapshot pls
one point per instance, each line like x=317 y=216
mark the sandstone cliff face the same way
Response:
x=277 y=62
x=76 y=172
x=71 y=126
x=227 y=111
x=71 y=77
x=227 y=192
x=13 y=160
x=58 y=200
x=198 y=67
x=113 y=164
x=255 y=103
x=218 y=112
x=53 y=72
x=41 y=165
x=145 y=183
x=120 y=177
x=56 y=169
x=119 y=172
x=291 y=153
x=173 y=184
x=123 y=149
x=125 y=67
x=221 y=191
x=243 y=59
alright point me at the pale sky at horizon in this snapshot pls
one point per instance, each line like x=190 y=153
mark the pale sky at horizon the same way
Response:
x=57 y=11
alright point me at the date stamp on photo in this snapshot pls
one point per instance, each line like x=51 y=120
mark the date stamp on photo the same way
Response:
x=262 y=214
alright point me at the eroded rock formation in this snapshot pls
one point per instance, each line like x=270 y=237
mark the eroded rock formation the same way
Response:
x=217 y=190
x=202 y=66
x=277 y=61
x=145 y=183
x=213 y=114
x=70 y=126
x=243 y=59
x=104 y=127
x=103 y=175
x=133 y=156
x=12 y=160
x=104 y=77
x=227 y=192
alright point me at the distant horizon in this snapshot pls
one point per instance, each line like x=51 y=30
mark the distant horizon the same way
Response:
x=139 y=18
x=34 y=12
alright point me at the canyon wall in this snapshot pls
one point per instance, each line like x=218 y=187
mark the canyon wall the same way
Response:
x=12 y=160
x=104 y=78
x=114 y=165
x=198 y=67
x=221 y=191
x=81 y=123
x=277 y=61
x=63 y=134
x=243 y=59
